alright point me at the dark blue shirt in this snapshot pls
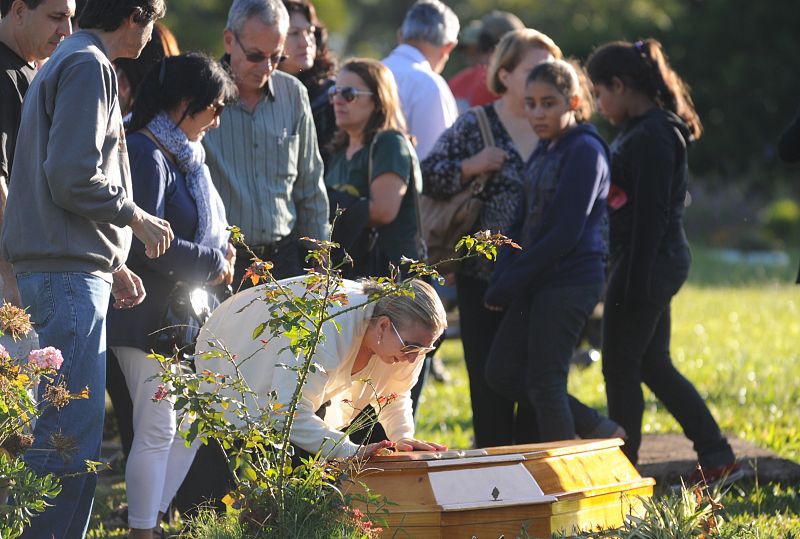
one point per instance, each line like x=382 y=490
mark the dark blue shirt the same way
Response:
x=159 y=188
x=562 y=223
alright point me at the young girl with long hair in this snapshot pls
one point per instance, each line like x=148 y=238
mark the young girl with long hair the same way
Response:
x=550 y=287
x=457 y=159
x=637 y=90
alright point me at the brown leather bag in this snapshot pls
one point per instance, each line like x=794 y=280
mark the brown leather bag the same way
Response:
x=445 y=222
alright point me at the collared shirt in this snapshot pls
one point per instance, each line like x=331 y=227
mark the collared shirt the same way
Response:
x=427 y=102
x=266 y=165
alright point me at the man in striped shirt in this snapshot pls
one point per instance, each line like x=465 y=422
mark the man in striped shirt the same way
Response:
x=264 y=158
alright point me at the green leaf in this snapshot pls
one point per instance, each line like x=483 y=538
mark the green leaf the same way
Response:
x=259 y=330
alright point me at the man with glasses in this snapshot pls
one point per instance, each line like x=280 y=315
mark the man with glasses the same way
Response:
x=67 y=233
x=264 y=157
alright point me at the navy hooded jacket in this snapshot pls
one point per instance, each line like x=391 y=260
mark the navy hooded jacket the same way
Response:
x=563 y=221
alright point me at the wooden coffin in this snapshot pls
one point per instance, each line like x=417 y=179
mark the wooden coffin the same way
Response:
x=493 y=492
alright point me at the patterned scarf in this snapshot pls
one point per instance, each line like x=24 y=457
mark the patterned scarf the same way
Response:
x=191 y=158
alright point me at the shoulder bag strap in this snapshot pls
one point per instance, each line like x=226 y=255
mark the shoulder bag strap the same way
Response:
x=371 y=151
x=412 y=185
x=149 y=134
x=373 y=231
x=488 y=141
x=412 y=180
x=483 y=125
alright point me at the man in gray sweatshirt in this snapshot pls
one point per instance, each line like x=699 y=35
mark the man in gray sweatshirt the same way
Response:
x=67 y=231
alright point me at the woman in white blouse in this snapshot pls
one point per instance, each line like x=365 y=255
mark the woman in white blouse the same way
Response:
x=376 y=352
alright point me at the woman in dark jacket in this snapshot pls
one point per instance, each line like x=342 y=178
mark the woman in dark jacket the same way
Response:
x=179 y=100
x=637 y=90
x=309 y=59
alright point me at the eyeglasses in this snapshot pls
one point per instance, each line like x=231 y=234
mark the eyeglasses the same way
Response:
x=348 y=93
x=406 y=348
x=258 y=57
x=218 y=108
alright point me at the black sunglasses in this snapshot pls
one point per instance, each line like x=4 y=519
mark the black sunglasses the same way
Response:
x=218 y=108
x=258 y=57
x=348 y=93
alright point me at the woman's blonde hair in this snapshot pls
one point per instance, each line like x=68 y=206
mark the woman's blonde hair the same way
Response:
x=387 y=114
x=511 y=50
x=423 y=307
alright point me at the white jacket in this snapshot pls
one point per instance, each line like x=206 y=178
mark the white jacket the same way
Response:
x=348 y=393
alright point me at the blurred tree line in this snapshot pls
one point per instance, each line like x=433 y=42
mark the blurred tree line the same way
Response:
x=737 y=55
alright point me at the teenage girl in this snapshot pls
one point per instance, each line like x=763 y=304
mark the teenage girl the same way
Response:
x=638 y=91
x=550 y=287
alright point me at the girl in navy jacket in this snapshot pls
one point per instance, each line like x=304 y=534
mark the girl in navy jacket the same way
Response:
x=553 y=283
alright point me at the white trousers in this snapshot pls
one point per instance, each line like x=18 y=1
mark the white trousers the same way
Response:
x=153 y=433
x=180 y=460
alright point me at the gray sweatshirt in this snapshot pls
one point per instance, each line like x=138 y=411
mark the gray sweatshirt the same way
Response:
x=70 y=197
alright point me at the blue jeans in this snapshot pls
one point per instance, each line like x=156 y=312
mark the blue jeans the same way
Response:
x=68 y=311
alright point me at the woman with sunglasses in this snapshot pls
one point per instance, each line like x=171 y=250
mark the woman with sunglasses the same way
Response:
x=310 y=60
x=373 y=160
x=179 y=100
x=375 y=352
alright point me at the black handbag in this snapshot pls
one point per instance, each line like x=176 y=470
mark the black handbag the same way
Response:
x=188 y=308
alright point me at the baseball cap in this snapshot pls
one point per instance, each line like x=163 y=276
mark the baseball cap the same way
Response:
x=496 y=24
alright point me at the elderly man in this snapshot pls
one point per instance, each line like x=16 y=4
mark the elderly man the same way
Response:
x=428 y=35
x=67 y=233
x=30 y=30
x=264 y=157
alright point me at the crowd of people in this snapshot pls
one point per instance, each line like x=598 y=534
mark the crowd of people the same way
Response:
x=123 y=162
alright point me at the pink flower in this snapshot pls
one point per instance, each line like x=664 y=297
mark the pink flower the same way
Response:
x=46 y=358
x=161 y=393
x=3 y=352
x=387 y=399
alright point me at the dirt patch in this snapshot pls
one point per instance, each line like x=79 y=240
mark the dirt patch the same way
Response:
x=668 y=457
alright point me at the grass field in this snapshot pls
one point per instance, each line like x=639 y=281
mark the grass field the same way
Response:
x=736 y=335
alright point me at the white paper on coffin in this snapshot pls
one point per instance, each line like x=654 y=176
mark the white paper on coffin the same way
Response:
x=472 y=488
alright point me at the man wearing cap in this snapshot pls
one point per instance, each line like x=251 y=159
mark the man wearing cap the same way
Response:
x=469 y=85
x=428 y=35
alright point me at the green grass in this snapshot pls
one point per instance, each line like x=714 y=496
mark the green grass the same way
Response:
x=736 y=335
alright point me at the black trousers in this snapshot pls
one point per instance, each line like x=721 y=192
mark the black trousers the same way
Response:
x=496 y=418
x=121 y=401
x=529 y=360
x=636 y=350
x=286 y=256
